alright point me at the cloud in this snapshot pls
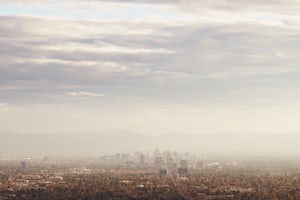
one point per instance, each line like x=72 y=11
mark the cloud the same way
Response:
x=4 y=107
x=207 y=6
x=191 y=57
x=85 y=94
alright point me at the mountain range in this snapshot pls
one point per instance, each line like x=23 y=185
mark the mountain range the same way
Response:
x=109 y=142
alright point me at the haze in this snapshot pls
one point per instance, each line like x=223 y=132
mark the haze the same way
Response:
x=150 y=67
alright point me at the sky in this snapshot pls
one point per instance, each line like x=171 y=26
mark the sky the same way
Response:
x=150 y=66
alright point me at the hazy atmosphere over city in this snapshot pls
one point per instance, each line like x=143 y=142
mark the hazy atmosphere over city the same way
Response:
x=149 y=99
x=150 y=67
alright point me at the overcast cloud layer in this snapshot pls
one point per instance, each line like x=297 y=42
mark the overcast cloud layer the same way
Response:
x=150 y=66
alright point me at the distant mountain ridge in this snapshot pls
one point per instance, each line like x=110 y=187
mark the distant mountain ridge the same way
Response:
x=126 y=141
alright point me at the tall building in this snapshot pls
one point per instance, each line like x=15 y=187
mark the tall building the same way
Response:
x=137 y=156
x=23 y=164
x=118 y=156
x=183 y=169
x=158 y=163
x=142 y=159
x=163 y=172
x=167 y=155
x=200 y=165
x=157 y=153
x=183 y=164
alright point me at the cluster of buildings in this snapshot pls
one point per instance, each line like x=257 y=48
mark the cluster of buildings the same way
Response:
x=164 y=163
